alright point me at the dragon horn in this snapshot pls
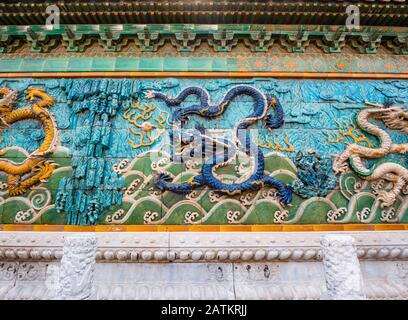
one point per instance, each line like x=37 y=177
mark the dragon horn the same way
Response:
x=3 y=123
x=373 y=104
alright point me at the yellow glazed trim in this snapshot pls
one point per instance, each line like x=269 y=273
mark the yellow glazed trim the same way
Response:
x=143 y=74
x=206 y=228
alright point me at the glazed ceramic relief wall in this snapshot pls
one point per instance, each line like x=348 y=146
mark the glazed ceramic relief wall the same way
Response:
x=215 y=151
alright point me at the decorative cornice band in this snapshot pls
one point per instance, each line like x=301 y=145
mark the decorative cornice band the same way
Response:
x=186 y=38
x=202 y=247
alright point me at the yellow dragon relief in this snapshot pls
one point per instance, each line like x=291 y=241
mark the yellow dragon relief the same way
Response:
x=34 y=169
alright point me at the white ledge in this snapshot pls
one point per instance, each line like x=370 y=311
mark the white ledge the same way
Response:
x=202 y=246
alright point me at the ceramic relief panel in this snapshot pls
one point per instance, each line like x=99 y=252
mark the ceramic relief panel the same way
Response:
x=214 y=151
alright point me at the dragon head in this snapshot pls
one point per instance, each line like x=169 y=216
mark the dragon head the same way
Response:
x=395 y=118
x=7 y=103
x=8 y=97
x=149 y=94
x=32 y=93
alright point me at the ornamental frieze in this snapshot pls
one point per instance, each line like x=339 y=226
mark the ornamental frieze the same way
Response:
x=221 y=38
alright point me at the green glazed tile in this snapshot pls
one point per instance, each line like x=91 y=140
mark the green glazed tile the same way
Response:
x=79 y=64
x=55 y=65
x=10 y=210
x=51 y=216
x=150 y=64
x=220 y=65
x=10 y=65
x=179 y=64
x=103 y=64
x=32 y=65
x=126 y=64
x=200 y=64
x=232 y=64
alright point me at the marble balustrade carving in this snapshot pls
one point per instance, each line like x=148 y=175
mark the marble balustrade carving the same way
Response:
x=201 y=247
x=227 y=266
x=342 y=268
x=76 y=272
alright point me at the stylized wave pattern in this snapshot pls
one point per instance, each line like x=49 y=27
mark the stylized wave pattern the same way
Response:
x=355 y=202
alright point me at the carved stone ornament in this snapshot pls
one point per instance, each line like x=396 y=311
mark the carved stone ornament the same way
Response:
x=77 y=267
x=342 y=268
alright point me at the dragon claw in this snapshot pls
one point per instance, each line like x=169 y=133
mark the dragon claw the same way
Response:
x=178 y=116
x=160 y=180
x=285 y=194
x=272 y=123
x=29 y=94
x=387 y=199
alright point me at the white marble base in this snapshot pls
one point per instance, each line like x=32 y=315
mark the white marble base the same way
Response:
x=202 y=265
x=208 y=281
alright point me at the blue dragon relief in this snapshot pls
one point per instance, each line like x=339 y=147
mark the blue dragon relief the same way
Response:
x=241 y=140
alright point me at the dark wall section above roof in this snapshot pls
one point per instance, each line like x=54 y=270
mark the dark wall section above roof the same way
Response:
x=191 y=2
x=372 y=13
